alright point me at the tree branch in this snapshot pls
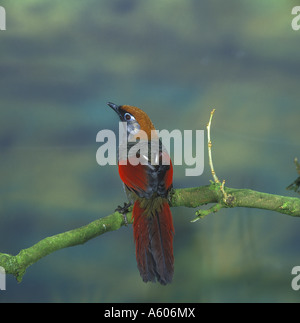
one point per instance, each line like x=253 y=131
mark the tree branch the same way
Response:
x=188 y=197
x=215 y=193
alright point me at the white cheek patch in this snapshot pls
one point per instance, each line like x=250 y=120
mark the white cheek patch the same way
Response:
x=132 y=128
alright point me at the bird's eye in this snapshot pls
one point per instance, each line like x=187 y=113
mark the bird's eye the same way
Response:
x=127 y=116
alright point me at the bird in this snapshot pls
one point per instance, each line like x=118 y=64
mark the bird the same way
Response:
x=147 y=185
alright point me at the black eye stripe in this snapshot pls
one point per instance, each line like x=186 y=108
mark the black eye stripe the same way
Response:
x=124 y=115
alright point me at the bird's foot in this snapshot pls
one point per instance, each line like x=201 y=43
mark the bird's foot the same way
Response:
x=123 y=210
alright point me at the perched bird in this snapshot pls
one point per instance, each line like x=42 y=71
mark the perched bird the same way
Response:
x=147 y=185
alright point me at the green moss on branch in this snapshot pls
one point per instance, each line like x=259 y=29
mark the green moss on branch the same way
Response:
x=187 y=197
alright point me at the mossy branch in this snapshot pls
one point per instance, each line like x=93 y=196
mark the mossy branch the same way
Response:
x=187 y=197
x=216 y=193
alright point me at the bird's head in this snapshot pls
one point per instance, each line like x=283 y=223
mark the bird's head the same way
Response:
x=136 y=120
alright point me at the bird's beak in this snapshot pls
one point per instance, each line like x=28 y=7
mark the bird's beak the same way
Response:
x=115 y=107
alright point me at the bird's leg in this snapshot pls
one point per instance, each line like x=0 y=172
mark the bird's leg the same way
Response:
x=123 y=210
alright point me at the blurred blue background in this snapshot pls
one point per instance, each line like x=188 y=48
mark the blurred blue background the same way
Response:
x=61 y=61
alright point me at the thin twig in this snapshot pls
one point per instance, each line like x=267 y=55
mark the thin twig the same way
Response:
x=209 y=144
x=203 y=213
x=297 y=165
x=211 y=165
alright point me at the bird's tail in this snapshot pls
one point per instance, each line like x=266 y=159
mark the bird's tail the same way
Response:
x=153 y=234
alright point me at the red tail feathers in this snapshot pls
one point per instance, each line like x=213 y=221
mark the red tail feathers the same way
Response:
x=153 y=235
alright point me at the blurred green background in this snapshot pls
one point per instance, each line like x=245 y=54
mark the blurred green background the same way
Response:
x=61 y=61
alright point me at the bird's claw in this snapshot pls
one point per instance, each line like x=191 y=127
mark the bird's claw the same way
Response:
x=123 y=210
